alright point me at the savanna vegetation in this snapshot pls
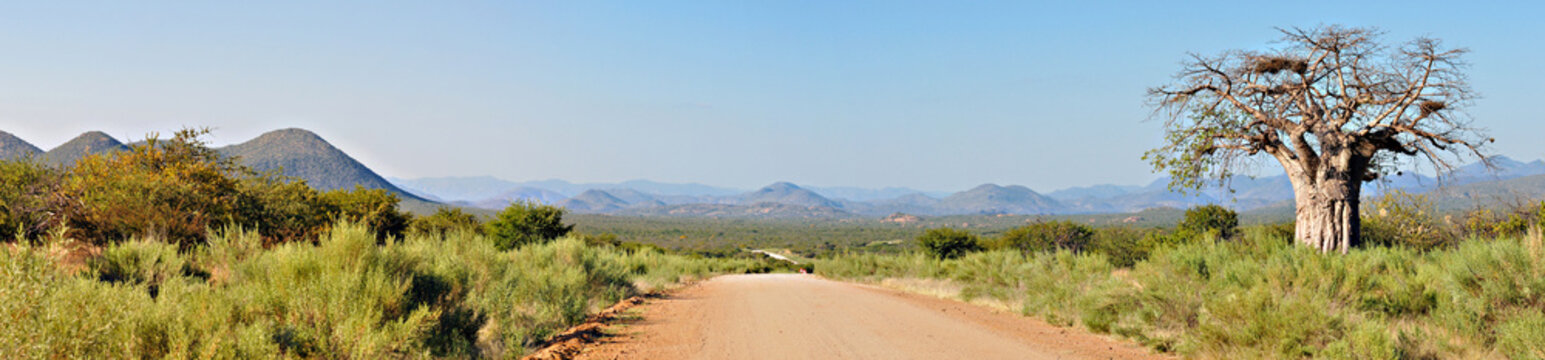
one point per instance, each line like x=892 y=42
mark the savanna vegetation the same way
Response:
x=169 y=250
x=1425 y=285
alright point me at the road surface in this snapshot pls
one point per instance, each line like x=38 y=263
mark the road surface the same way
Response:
x=789 y=316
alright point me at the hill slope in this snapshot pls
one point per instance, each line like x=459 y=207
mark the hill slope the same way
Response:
x=788 y=194
x=305 y=155
x=593 y=201
x=12 y=147
x=994 y=199
x=91 y=142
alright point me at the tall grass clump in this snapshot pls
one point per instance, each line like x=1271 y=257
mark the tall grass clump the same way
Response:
x=1259 y=296
x=351 y=294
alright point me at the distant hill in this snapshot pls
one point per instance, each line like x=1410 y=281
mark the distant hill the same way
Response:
x=91 y=142
x=995 y=199
x=12 y=147
x=729 y=211
x=849 y=193
x=305 y=155
x=521 y=193
x=788 y=194
x=593 y=201
x=469 y=189
x=1093 y=192
x=915 y=203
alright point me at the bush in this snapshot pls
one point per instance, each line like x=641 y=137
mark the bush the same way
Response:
x=171 y=190
x=1046 y=236
x=283 y=209
x=26 y=196
x=376 y=208
x=947 y=243
x=1398 y=218
x=346 y=296
x=526 y=222
x=446 y=220
x=1210 y=218
x=1123 y=246
x=141 y=262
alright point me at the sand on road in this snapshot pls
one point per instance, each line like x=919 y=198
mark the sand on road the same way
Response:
x=790 y=316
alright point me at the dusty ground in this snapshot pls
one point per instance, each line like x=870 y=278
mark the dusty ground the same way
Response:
x=791 y=316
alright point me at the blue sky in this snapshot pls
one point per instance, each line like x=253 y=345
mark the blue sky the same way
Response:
x=929 y=95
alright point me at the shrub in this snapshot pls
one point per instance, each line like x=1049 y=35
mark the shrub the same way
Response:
x=283 y=209
x=375 y=208
x=1047 y=236
x=446 y=220
x=171 y=190
x=141 y=262
x=1208 y=219
x=947 y=243
x=26 y=196
x=1398 y=218
x=1123 y=246
x=526 y=222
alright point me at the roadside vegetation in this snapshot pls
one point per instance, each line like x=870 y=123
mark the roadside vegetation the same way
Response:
x=168 y=250
x=1470 y=286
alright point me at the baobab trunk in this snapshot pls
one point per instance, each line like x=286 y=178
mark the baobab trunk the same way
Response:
x=1327 y=213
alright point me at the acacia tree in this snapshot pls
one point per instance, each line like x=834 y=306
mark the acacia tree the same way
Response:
x=1333 y=105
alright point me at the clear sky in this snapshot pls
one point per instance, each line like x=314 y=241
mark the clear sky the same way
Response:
x=930 y=95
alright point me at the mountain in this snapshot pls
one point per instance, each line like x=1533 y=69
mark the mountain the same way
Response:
x=593 y=201
x=305 y=155
x=485 y=188
x=521 y=193
x=751 y=211
x=1104 y=191
x=470 y=189
x=994 y=199
x=91 y=142
x=12 y=147
x=915 y=203
x=864 y=194
x=788 y=194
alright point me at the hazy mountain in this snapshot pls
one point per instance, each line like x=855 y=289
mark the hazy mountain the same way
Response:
x=864 y=194
x=788 y=194
x=994 y=199
x=750 y=211
x=915 y=203
x=91 y=142
x=669 y=189
x=305 y=155
x=470 y=189
x=521 y=193
x=593 y=201
x=1105 y=191
x=12 y=147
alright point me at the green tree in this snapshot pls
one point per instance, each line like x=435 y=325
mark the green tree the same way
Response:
x=376 y=208
x=947 y=243
x=1209 y=218
x=1398 y=218
x=27 y=189
x=172 y=190
x=1047 y=236
x=445 y=220
x=283 y=209
x=526 y=222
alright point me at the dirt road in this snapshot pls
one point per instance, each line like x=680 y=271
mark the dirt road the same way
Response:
x=804 y=317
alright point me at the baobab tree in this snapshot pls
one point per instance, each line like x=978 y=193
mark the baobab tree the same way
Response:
x=1334 y=106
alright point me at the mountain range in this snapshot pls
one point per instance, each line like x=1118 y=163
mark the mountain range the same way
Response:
x=1462 y=187
x=296 y=152
x=303 y=154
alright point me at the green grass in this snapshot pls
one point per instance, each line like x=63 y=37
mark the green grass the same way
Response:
x=347 y=296
x=1261 y=297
